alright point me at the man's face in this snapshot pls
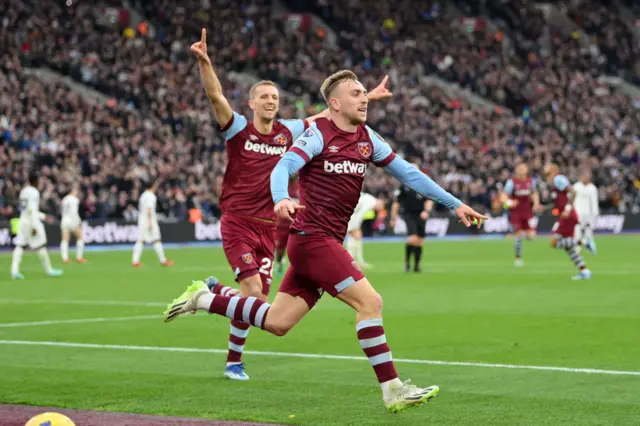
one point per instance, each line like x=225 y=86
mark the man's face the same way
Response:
x=522 y=170
x=351 y=101
x=265 y=102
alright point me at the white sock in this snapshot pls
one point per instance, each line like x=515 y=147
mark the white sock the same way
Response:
x=16 y=259
x=43 y=254
x=79 y=249
x=157 y=246
x=137 y=251
x=64 y=250
x=351 y=247
x=204 y=302
x=389 y=386
x=359 y=254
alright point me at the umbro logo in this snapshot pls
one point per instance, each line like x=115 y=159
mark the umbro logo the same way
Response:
x=253 y=137
x=333 y=149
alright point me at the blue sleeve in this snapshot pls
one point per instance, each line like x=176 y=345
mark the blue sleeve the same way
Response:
x=309 y=144
x=382 y=153
x=286 y=167
x=508 y=187
x=234 y=126
x=421 y=183
x=296 y=127
x=534 y=184
x=560 y=182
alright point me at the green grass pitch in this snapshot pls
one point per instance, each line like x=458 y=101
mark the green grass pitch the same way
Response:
x=469 y=305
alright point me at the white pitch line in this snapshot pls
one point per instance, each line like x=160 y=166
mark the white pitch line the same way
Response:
x=86 y=302
x=77 y=321
x=321 y=356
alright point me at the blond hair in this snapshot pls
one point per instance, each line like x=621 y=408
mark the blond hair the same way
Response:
x=334 y=80
x=252 y=91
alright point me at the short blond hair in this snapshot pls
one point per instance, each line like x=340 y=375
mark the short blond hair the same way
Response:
x=252 y=91
x=334 y=80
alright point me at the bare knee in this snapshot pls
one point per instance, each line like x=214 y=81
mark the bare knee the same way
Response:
x=252 y=287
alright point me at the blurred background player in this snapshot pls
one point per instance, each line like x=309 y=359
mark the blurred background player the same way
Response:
x=31 y=230
x=587 y=206
x=282 y=231
x=148 y=228
x=248 y=221
x=366 y=203
x=71 y=224
x=563 y=230
x=332 y=157
x=522 y=199
x=415 y=210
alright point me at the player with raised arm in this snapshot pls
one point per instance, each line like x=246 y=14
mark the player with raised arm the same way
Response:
x=148 y=227
x=31 y=230
x=587 y=206
x=71 y=224
x=563 y=230
x=366 y=203
x=248 y=221
x=521 y=197
x=331 y=157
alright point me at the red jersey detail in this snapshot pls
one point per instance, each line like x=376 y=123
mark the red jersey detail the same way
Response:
x=522 y=190
x=252 y=157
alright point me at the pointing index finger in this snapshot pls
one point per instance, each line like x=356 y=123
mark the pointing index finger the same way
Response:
x=384 y=81
x=204 y=36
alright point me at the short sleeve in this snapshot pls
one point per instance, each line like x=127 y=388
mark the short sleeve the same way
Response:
x=560 y=182
x=382 y=153
x=508 y=187
x=534 y=185
x=234 y=126
x=309 y=144
x=296 y=127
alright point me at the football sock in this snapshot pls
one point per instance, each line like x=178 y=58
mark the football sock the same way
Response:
x=576 y=258
x=374 y=344
x=418 y=254
x=157 y=246
x=137 y=252
x=408 y=250
x=16 y=259
x=518 y=247
x=237 y=339
x=64 y=250
x=43 y=254
x=80 y=249
x=246 y=309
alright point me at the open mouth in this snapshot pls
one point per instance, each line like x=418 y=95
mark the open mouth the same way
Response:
x=362 y=109
x=271 y=109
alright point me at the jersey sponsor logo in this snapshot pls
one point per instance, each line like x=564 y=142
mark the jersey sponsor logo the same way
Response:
x=280 y=139
x=247 y=258
x=263 y=148
x=345 y=167
x=365 y=148
x=522 y=192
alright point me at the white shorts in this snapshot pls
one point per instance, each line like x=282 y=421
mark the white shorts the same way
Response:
x=70 y=223
x=148 y=234
x=585 y=219
x=30 y=235
x=367 y=202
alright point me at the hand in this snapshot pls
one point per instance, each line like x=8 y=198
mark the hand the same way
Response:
x=424 y=215
x=465 y=213
x=286 y=209
x=537 y=208
x=49 y=219
x=200 y=48
x=381 y=92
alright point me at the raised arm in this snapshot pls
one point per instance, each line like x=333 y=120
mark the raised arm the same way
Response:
x=212 y=86
x=419 y=182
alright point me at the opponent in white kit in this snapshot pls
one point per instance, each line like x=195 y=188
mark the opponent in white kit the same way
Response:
x=31 y=230
x=149 y=230
x=366 y=203
x=71 y=224
x=586 y=204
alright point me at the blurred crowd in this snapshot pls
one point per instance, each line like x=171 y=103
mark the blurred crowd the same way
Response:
x=551 y=104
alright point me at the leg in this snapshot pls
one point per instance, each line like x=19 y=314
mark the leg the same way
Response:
x=410 y=250
x=79 y=245
x=16 y=259
x=157 y=246
x=518 y=248
x=418 y=254
x=64 y=245
x=137 y=252
x=367 y=303
x=421 y=233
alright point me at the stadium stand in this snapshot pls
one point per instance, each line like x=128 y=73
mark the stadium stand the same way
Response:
x=553 y=100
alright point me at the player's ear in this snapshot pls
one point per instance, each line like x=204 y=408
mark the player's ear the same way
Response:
x=334 y=104
x=252 y=104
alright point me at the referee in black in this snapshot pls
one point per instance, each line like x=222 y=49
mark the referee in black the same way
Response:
x=415 y=210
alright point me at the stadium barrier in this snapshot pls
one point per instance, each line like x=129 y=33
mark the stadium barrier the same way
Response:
x=111 y=232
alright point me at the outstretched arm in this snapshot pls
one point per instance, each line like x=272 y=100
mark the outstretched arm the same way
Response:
x=212 y=86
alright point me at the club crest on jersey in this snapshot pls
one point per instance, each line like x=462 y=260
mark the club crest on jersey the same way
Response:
x=365 y=149
x=281 y=139
x=247 y=258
